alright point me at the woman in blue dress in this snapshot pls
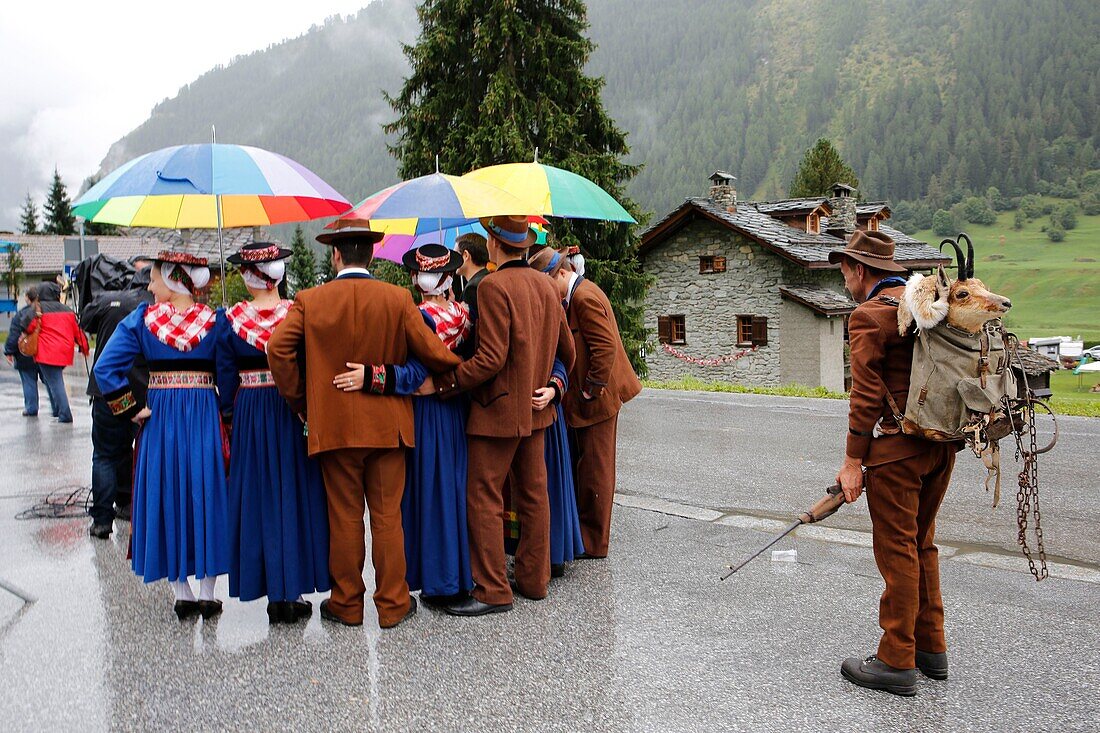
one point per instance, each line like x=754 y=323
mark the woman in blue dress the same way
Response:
x=179 y=506
x=278 y=520
x=565 y=523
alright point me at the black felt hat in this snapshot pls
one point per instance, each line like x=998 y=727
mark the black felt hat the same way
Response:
x=350 y=235
x=431 y=258
x=257 y=252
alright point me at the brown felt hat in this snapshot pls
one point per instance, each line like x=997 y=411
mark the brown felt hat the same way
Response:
x=511 y=231
x=873 y=249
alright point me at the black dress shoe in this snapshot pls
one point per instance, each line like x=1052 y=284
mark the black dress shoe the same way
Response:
x=408 y=614
x=210 y=609
x=301 y=609
x=932 y=665
x=328 y=615
x=586 y=556
x=473 y=607
x=557 y=570
x=184 y=609
x=123 y=513
x=100 y=531
x=875 y=674
x=277 y=613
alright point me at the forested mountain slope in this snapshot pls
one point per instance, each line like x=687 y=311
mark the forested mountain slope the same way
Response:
x=922 y=97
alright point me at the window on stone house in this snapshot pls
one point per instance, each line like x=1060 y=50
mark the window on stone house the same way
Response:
x=710 y=264
x=752 y=330
x=671 y=330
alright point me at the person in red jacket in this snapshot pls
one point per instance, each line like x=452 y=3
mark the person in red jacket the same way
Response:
x=59 y=332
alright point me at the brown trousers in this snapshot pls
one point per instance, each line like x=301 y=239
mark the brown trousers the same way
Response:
x=903 y=498
x=490 y=460
x=376 y=477
x=595 y=460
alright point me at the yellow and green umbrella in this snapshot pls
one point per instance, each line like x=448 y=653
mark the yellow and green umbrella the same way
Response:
x=556 y=192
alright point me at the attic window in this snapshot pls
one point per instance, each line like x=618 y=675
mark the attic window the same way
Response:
x=671 y=330
x=710 y=264
x=752 y=330
x=813 y=224
x=872 y=225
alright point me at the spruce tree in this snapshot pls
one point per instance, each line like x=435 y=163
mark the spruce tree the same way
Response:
x=302 y=265
x=327 y=271
x=820 y=168
x=28 y=217
x=58 y=210
x=494 y=80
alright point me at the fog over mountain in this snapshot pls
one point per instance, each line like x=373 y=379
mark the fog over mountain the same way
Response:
x=915 y=93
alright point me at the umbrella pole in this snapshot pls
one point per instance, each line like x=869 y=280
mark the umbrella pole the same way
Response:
x=218 y=207
x=221 y=247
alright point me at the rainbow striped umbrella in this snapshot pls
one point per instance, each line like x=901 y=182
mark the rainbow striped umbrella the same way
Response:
x=436 y=201
x=554 y=191
x=209 y=186
x=396 y=243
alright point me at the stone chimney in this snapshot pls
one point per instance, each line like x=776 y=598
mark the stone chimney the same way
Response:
x=842 y=222
x=722 y=193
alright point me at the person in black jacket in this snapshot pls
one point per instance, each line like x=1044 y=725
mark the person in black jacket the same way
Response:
x=28 y=370
x=113 y=437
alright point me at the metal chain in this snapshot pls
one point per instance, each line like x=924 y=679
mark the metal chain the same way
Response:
x=1027 y=497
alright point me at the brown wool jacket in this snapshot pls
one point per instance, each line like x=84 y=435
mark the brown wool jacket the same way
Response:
x=521 y=327
x=602 y=367
x=356 y=319
x=881 y=360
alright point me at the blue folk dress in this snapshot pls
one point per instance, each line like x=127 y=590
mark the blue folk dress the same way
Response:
x=565 y=521
x=433 y=507
x=278 y=516
x=179 y=507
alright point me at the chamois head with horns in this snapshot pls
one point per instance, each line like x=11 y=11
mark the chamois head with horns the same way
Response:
x=966 y=303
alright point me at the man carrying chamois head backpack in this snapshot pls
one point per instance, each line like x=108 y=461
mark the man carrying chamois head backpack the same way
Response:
x=906 y=477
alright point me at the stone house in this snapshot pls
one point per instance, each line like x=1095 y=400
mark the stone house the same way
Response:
x=744 y=291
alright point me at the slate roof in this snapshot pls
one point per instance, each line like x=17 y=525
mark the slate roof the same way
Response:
x=821 y=300
x=792 y=206
x=1034 y=363
x=804 y=248
x=872 y=207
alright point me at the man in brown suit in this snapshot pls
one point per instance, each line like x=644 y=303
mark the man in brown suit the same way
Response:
x=358 y=439
x=600 y=382
x=906 y=477
x=521 y=327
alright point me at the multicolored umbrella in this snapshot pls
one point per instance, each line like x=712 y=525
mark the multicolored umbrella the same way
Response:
x=209 y=186
x=436 y=201
x=554 y=191
x=396 y=243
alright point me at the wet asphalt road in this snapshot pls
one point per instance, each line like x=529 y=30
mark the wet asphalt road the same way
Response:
x=648 y=640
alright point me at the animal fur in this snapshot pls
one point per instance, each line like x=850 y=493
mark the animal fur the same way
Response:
x=924 y=303
x=966 y=304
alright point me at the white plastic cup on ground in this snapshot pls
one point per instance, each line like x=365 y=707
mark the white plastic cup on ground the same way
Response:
x=784 y=555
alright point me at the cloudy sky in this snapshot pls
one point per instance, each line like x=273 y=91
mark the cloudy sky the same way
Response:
x=75 y=76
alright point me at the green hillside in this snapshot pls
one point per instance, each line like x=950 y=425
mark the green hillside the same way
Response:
x=922 y=97
x=1054 y=286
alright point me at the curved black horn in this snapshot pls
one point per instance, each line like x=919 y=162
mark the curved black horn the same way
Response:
x=960 y=262
x=969 y=256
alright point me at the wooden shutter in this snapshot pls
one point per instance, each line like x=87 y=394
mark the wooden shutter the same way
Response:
x=719 y=264
x=760 y=330
x=664 y=329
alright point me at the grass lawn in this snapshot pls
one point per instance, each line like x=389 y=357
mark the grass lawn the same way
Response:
x=1069 y=399
x=1054 y=286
